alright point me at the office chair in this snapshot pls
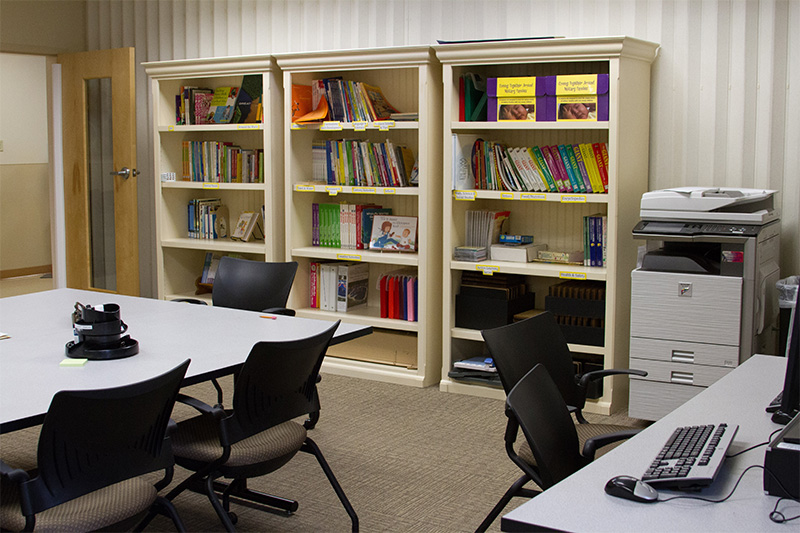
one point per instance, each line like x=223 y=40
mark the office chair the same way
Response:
x=518 y=347
x=253 y=286
x=535 y=405
x=94 y=450
x=258 y=435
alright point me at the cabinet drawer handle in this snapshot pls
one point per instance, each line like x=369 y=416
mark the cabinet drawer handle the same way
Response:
x=684 y=378
x=682 y=357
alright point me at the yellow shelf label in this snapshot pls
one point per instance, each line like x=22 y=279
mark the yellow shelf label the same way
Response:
x=247 y=126
x=464 y=195
x=170 y=128
x=572 y=275
x=331 y=125
x=384 y=125
x=333 y=191
x=364 y=190
x=573 y=199
x=507 y=195
x=487 y=270
x=297 y=126
x=360 y=125
x=539 y=196
x=211 y=185
x=348 y=257
x=307 y=188
x=389 y=190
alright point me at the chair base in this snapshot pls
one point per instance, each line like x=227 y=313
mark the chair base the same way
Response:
x=516 y=489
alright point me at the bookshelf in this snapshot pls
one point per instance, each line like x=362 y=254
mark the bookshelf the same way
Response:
x=399 y=351
x=553 y=218
x=180 y=259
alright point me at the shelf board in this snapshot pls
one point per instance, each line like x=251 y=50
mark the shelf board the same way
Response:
x=524 y=125
x=200 y=185
x=333 y=190
x=369 y=316
x=560 y=197
x=220 y=245
x=546 y=270
x=340 y=254
x=475 y=335
x=381 y=125
x=210 y=127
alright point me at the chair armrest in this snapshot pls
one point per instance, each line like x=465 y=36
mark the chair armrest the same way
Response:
x=593 y=444
x=189 y=301
x=279 y=311
x=217 y=411
x=17 y=475
x=584 y=379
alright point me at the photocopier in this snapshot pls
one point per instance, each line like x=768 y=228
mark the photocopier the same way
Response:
x=703 y=295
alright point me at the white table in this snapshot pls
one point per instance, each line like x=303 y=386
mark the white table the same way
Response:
x=216 y=339
x=579 y=503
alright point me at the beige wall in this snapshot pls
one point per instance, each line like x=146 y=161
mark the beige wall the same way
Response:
x=45 y=27
x=31 y=33
x=24 y=219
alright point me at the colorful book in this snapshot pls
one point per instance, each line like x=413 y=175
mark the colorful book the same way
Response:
x=223 y=105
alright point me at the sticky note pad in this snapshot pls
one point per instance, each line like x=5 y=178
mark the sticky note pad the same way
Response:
x=73 y=362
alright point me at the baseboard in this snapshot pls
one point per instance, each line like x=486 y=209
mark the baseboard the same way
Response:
x=27 y=271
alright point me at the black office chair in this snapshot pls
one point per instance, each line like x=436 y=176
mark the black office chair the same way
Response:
x=259 y=435
x=519 y=346
x=95 y=448
x=251 y=285
x=535 y=405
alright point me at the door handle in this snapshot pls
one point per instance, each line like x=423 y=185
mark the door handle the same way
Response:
x=125 y=172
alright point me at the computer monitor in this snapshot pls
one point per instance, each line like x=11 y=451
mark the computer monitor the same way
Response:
x=790 y=401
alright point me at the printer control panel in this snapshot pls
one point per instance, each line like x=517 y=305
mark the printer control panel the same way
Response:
x=650 y=227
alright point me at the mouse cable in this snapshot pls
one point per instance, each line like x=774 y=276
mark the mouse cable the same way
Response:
x=769 y=439
x=709 y=499
x=775 y=515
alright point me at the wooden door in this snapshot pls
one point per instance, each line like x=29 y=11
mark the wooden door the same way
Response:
x=100 y=184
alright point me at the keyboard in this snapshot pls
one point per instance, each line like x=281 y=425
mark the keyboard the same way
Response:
x=691 y=457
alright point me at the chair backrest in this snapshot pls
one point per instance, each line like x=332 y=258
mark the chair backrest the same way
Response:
x=95 y=438
x=276 y=383
x=518 y=347
x=252 y=285
x=547 y=425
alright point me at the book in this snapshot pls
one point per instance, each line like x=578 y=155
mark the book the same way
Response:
x=201 y=99
x=313 y=284
x=222 y=105
x=301 y=101
x=381 y=106
x=475 y=97
x=394 y=233
x=352 y=286
x=248 y=103
x=248 y=227
x=552 y=256
x=521 y=253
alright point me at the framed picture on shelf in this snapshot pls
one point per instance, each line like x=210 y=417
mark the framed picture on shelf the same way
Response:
x=394 y=233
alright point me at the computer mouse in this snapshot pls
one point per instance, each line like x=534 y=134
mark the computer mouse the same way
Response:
x=631 y=488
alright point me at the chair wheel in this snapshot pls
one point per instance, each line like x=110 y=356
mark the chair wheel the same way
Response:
x=234 y=518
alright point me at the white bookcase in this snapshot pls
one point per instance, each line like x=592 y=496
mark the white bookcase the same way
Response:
x=179 y=258
x=399 y=351
x=553 y=218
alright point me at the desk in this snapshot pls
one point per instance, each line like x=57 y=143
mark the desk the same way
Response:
x=579 y=502
x=217 y=340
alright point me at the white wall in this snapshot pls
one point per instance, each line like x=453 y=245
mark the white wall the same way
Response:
x=722 y=84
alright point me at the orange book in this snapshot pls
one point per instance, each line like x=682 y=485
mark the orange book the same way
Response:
x=301 y=101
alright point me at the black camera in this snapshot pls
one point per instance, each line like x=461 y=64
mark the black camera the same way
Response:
x=99 y=333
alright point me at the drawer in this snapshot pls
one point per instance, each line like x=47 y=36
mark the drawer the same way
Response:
x=678 y=373
x=688 y=353
x=686 y=307
x=651 y=400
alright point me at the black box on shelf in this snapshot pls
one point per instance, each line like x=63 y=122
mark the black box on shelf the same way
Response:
x=592 y=336
x=489 y=308
x=575 y=307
